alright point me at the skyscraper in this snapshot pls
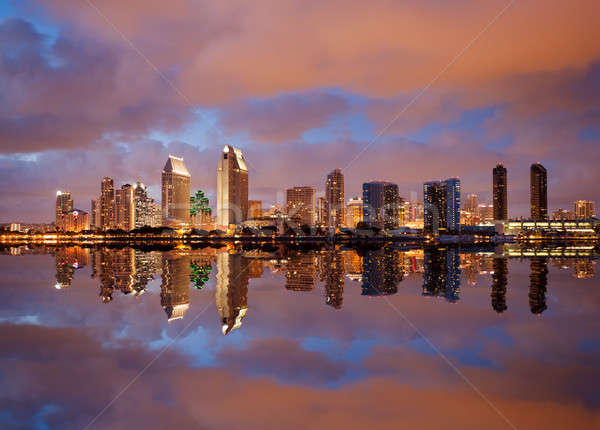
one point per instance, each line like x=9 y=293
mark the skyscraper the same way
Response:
x=452 y=204
x=300 y=205
x=334 y=193
x=175 y=200
x=471 y=203
x=95 y=215
x=500 y=192
x=442 y=206
x=539 y=192
x=232 y=187
x=584 y=209
x=354 y=212
x=107 y=204
x=147 y=212
x=381 y=204
x=434 y=200
x=125 y=208
x=64 y=204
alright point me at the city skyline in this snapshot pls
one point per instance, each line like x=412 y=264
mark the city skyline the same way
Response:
x=517 y=106
x=382 y=205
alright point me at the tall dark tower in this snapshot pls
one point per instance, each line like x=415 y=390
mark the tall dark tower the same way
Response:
x=539 y=192
x=500 y=193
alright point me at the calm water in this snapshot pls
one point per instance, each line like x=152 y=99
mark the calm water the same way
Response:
x=283 y=338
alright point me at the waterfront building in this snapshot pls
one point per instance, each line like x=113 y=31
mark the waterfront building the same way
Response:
x=471 y=203
x=147 y=211
x=124 y=208
x=485 y=212
x=64 y=204
x=381 y=204
x=334 y=193
x=584 y=209
x=300 y=205
x=232 y=187
x=95 y=215
x=538 y=192
x=354 y=212
x=107 y=204
x=500 y=193
x=75 y=220
x=442 y=206
x=175 y=186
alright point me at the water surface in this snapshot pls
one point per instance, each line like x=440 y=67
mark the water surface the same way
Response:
x=296 y=338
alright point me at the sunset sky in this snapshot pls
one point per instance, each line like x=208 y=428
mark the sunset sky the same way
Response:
x=110 y=88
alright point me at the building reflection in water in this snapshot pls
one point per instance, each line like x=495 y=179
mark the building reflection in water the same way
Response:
x=441 y=273
x=231 y=294
x=331 y=271
x=200 y=269
x=499 y=281
x=300 y=272
x=124 y=269
x=538 y=280
x=69 y=259
x=381 y=272
x=175 y=287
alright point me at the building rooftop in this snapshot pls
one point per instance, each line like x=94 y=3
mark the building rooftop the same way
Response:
x=176 y=165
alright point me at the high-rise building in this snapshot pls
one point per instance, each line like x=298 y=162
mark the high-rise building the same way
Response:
x=539 y=192
x=74 y=221
x=232 y=187
x=322 y=211
x=175 y=200
x=471 y=203
x=500 y=192
x=584 y=209
x=485 y=212
x=107 y=204
x=354 y=212
x=441 y=206
x=300 y=205
x=147 y=211
x=381 y=204
x=334 y=193
x=254 y=209
x=124 y=208
x=64 y=204
x=95 y=215
x=453 y=204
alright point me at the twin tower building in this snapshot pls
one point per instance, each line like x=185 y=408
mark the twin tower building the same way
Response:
x=232 y=190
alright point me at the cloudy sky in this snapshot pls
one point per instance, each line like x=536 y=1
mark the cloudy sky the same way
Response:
x=110 y=88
